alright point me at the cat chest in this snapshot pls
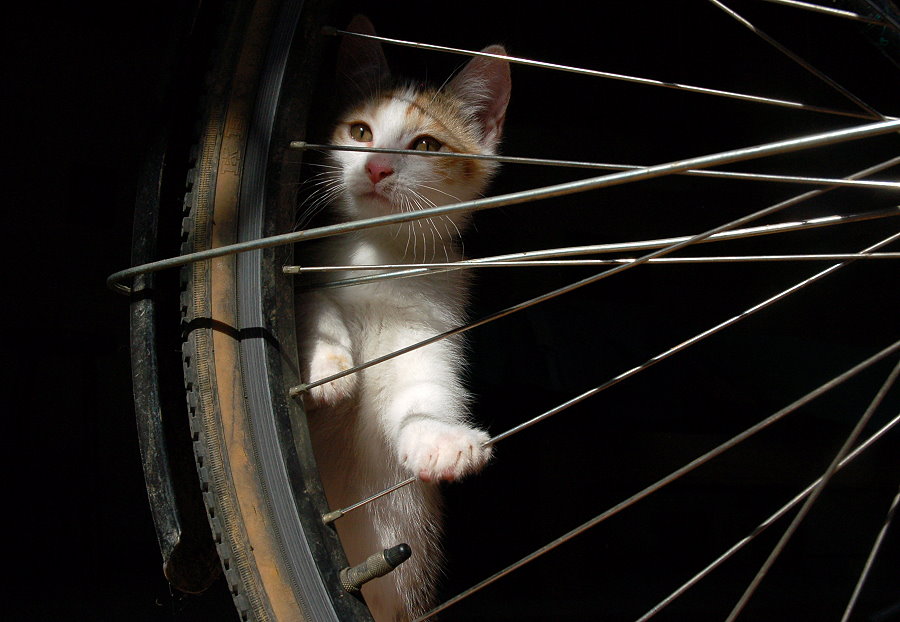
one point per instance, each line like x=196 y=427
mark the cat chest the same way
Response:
x=399 y=306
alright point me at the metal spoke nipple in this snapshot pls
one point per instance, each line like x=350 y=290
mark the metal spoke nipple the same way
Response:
x=377 y=565
x=298 y=390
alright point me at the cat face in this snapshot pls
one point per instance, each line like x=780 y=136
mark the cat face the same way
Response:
x=465 y=116
x=426 y=120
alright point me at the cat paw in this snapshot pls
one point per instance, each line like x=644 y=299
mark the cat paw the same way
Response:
x=327 y=361
x=433 y=450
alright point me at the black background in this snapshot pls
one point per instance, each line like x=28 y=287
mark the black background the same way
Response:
x=81 y=85
x=81 y=80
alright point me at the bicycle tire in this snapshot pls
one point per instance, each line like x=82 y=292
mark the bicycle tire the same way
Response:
x=264 y=506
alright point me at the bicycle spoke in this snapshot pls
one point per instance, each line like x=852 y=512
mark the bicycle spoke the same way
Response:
x=768 y=522
x=332 y=516
x=593 y=183
x=617 y=379
x=834 y=382
x=608 y=75
x=871 y=558
x=734 y=175
x=687 y=343
x=797 y=59
x=302 y=388
x=814 y=495
x=807 y=6
x=564 y=263
x=784 y=227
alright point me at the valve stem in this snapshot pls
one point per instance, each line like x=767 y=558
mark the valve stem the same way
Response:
x=376 y=565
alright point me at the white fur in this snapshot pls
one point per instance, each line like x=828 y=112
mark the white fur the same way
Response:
x=406 y=416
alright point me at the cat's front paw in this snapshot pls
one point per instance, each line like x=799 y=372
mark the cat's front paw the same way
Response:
x=435 y=450
x=328 y=360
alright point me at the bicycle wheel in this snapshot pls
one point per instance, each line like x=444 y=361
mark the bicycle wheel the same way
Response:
x=263 y=504
x=253 y=345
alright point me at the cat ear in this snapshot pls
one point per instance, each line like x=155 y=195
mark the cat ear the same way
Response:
x=362 y=67
x=484 y=83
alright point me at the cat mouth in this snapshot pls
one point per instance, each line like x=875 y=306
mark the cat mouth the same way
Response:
x=375 y=196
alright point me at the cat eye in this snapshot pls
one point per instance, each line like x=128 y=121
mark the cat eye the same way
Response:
x=426 y=143
x=361 y=132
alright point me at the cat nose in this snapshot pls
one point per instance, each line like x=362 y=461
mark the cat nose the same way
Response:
x=378 y=170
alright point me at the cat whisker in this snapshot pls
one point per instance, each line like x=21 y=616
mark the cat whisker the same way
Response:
x=421 y=195
x=415 y=249
x=320 y=197
x=421 y=198
x=435 y=189
x=409 y=229
x=417 y=200
x=409 y=205
x=325 y=189
x=408 y=236
x=435 y=233
x=322 y=186
x=433 y=241
x=397 y=231
x=445 y=220
x=433 y=226
x=320 y=177
x=323 y=178
x=452 y=222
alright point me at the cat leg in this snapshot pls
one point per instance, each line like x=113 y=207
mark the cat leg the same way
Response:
x=433 y=449
x=328 y=350
x=424 y=413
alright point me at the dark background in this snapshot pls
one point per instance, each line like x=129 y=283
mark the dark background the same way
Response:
x=81 y=84
x=81 y=87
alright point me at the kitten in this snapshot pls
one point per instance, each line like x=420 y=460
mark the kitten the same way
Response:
x=407 y=416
